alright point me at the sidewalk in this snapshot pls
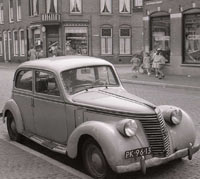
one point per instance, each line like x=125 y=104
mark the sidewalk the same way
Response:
x=19 y=161
x=175 y=81
x=16 y=162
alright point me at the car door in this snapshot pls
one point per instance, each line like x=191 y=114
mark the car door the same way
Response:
x=49 y=108
x=23 y=96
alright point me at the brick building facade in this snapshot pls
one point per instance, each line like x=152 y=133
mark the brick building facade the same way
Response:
x=110 y=29
x=174 y=26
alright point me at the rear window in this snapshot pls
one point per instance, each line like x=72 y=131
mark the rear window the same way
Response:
x=24 y=80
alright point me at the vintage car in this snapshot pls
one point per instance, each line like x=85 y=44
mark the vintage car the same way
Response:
x=77 y=106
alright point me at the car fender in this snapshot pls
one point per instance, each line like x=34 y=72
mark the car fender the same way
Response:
x=182 y=134
x=112 y=143
x=12 y=106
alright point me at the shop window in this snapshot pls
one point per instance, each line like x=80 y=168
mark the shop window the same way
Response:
x=1 y=14
x=11 y=15
x=36 y=37
x=51 y=6
x=106 y=6
x=125 y=41
x=19 y=10
x=75 y=6
x=33 y=7
x=15 y=43
x=1 y=45
x=192 y=38
x=106 y=41
x=76 y=41
x=160 y=35
x=124 y=6
x=21 y=42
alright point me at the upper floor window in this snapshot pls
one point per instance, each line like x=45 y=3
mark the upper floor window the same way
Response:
x=125 y=41
x=75 y=6
x=124 y=6
x=51 y=6
x=106 y=6
x=138 y=3
x=15 y=42
x=21 y=43
x=19 y=10
x=106 y=41
x=11 y=15
x=1 y=14
x=33 y=7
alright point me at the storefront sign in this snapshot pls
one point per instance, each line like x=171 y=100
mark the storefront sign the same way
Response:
x=153 y=2
x=162 y=38
x=193 y=37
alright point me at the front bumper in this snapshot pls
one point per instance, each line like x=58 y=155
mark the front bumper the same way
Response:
x=143 y=164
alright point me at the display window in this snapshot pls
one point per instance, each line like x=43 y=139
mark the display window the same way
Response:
x=192 y=38
x=160 y=35
x=76 y=41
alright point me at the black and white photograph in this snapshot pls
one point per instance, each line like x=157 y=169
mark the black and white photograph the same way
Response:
x=99 y=89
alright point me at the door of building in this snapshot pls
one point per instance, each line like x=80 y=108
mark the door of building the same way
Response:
x=5 y=45
x=52 y=34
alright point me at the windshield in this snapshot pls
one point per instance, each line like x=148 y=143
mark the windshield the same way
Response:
x=76 y=80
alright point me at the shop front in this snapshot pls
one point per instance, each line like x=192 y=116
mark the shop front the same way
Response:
x=76 y=40
x=191 y=38
x=160 y=35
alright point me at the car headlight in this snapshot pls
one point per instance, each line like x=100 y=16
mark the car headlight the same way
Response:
x=127 y=127
x=172 y=115
x=176 y=116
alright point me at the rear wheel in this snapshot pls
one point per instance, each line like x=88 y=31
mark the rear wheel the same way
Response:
x=12 y=129
x=95 y=162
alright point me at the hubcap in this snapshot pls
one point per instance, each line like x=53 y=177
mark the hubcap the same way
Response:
x=97 y=163
x=13 y=126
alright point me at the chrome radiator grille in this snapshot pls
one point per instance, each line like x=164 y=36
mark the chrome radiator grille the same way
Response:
x=157 y=135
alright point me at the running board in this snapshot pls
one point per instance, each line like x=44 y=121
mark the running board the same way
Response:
x=46 y=143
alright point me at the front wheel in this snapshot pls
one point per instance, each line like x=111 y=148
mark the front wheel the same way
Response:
x=12 y=129
x=95 y=162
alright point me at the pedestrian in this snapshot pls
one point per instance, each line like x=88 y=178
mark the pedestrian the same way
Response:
x=40 y=52
x=32 y=53
x=135 y=65
x=59 y=51
x=54 y=50
x=158 y=64
x=147 y=63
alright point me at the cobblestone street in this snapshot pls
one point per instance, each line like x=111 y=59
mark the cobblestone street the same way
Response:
x=16 y=163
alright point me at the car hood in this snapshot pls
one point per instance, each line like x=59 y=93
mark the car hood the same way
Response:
x=115 y=99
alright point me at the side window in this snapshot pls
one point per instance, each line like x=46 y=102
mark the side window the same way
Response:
x=46 y=83
x=24 y=80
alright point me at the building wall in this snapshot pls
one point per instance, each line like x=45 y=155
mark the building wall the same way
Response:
x=176 y=10
x=91 y=15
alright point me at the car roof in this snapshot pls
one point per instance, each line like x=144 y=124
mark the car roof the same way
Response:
x=59 y=64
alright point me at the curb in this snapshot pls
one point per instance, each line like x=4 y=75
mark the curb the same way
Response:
x=58 y=164
x=163 y=85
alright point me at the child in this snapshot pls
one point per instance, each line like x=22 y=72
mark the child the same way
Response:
x=135 y=65
x=147 y=63
x=158 y=64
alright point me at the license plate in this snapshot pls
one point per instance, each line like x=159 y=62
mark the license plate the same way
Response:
x=138 y=152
